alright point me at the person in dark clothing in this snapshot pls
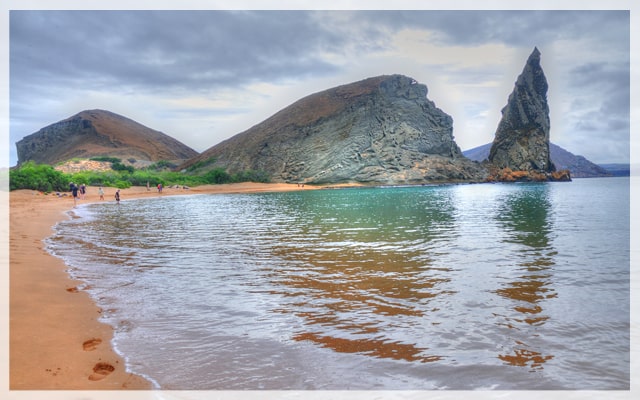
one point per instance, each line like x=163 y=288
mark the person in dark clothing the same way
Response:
x=74 y=193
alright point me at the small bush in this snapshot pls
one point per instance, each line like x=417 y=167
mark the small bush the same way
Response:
x=217 y=176
x=118 y=166
x=122 y=184
x=106 y=159
x=252 y=176
x=162 y=164
x=201 y=163
x=40 y=177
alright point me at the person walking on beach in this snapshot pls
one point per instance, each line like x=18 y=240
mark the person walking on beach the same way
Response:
x=83 y=189
x=101 y=193
x=74 y=193
x=117 y=196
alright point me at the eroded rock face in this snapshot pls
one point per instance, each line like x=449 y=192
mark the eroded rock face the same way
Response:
x=379 y=130
x=521 y=142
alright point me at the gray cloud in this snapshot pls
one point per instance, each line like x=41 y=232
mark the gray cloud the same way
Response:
x=173 y=48
x=211 y=48
x=58 y=57
x=511 y=27
x=600 y=111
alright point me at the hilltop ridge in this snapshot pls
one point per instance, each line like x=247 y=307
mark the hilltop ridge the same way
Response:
x=382 y=129
x=93 y=133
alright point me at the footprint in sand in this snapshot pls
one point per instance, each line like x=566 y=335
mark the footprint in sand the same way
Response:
x=101 y=370
x=91 y=344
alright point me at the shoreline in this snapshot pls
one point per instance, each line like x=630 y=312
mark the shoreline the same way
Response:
x=56 y=340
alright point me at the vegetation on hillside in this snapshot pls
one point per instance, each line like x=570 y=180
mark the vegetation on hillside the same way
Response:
x=45 y=178
x=40 y=177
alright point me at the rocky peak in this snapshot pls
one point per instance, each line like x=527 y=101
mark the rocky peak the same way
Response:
x=522 y=139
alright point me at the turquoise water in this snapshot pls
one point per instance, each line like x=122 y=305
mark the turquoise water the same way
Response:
x=492 y=286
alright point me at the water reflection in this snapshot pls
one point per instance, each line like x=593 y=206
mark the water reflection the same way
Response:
x=359 y=273
x=367 y=288
x=524 y=218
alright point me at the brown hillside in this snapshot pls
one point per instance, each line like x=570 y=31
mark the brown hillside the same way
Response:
x=382 y=129
x=287 y=122
x=93 y=133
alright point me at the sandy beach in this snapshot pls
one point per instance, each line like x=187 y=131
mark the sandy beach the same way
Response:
x=55 y=338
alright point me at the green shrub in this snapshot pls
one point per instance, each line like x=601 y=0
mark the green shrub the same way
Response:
x=106 y=159
x=252 y=176
x=162 y=164
x=45 y=178
x=201 y=163
x=217 y=176
x=122 y=184
x=118 y=166
x=138 y=178
x=40 y=177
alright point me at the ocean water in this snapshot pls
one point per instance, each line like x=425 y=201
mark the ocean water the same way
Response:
x=489 y=286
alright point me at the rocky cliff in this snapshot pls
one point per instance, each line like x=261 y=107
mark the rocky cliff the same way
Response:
x=522 y=139
x=94 y=133
x=378 y=130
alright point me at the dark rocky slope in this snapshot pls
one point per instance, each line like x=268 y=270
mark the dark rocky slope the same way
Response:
x=378 y=130
x=94 y=133
x=522 y=138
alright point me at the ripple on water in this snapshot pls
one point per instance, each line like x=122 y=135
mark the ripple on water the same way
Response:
x=458 y=287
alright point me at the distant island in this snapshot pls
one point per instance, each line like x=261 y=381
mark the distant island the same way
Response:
x=579 y=166
x=617 y=169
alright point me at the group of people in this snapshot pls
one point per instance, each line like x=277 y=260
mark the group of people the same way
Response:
x=80 y=191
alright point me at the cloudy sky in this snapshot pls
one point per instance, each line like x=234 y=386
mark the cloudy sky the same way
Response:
x=204 y=76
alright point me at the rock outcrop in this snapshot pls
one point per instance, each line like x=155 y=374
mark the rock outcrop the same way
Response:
x=579 y=166
x=379 y=130
x=521 y=141
x=95 y=133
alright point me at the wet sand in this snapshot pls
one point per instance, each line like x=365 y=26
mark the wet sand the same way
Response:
x=55 y=338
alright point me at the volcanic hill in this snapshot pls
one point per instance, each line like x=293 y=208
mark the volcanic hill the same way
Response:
x=382 y=129
x=94 y=133
x=385 y=130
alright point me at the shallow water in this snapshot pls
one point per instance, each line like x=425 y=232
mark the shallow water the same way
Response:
x=522 y=286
